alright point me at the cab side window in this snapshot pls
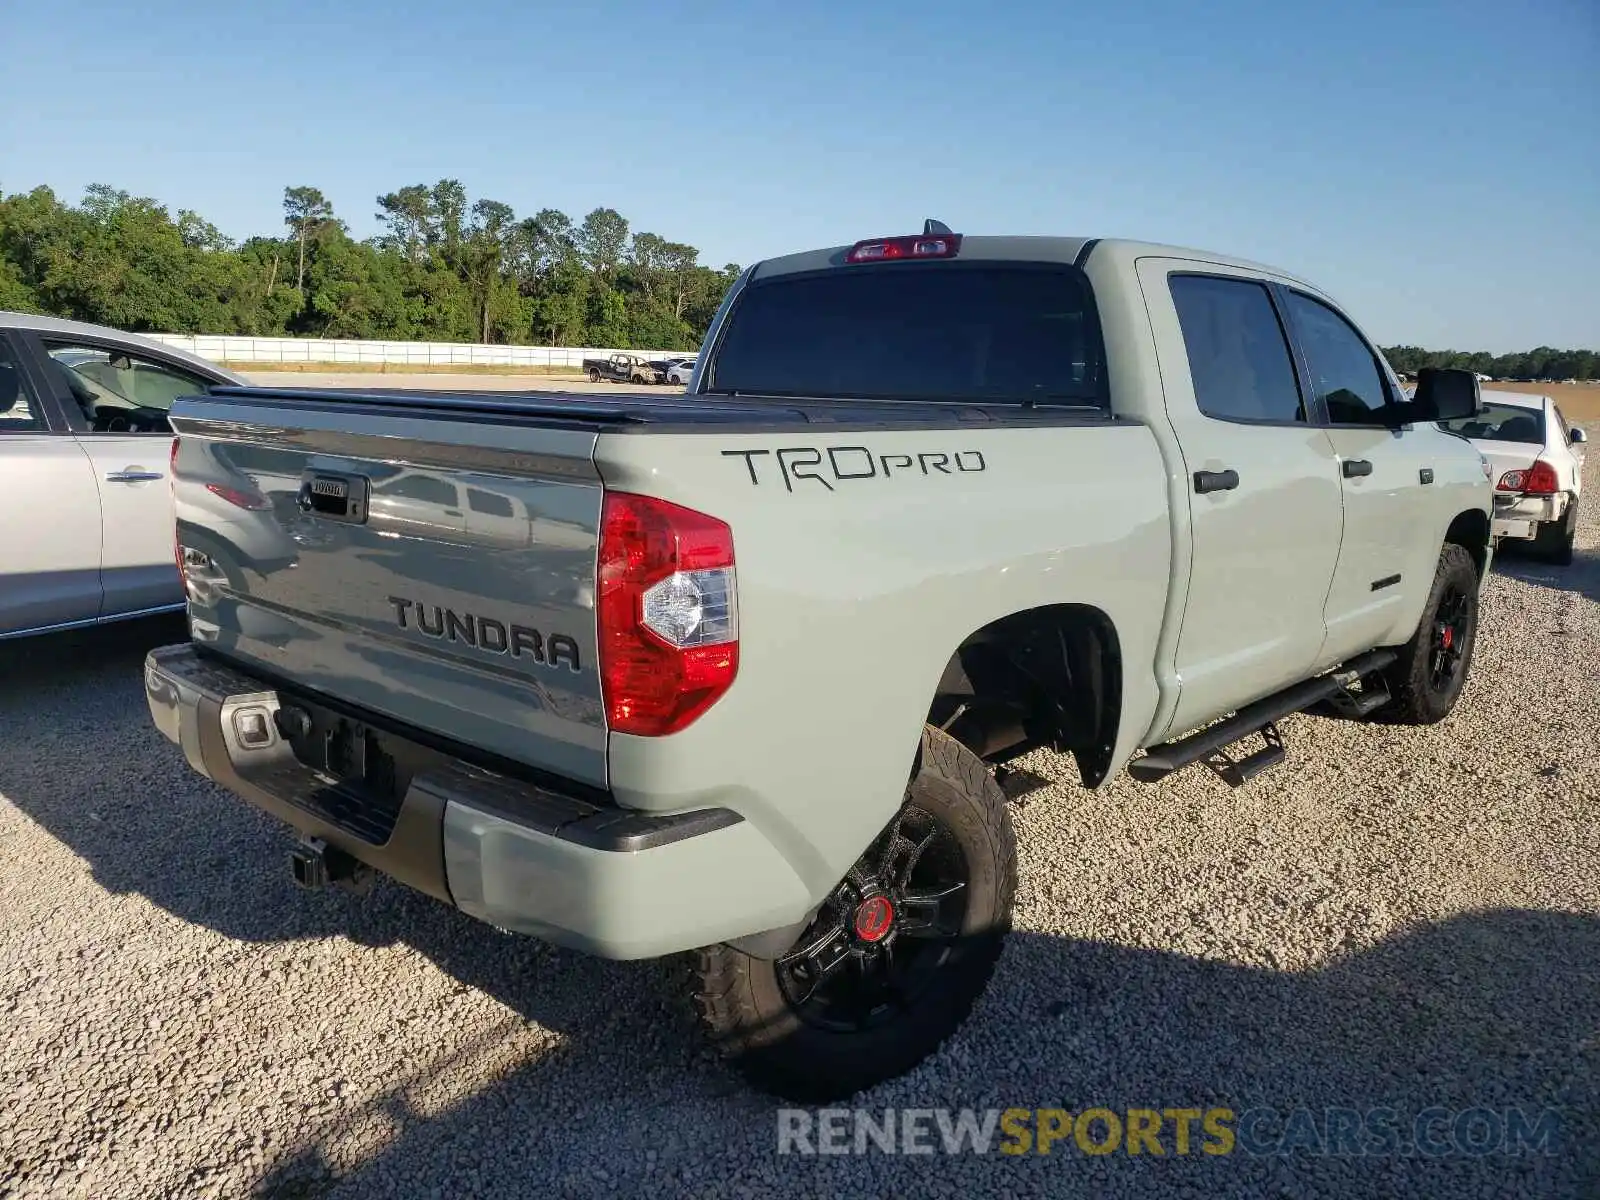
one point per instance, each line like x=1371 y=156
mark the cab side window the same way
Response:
x=121 y=392
x=1344 y=370
x=491 y=504
x=18 y=414
x=1238 y=355
x=426 y=489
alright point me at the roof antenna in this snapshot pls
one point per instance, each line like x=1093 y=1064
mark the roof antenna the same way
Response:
x=930 y=227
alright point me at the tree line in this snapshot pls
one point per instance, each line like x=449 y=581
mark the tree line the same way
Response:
x=443 y=268
x=1543 y=363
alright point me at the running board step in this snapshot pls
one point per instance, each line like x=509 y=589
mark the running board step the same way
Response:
x=1237 y=773
x=1360 y=704
x=1168 y=757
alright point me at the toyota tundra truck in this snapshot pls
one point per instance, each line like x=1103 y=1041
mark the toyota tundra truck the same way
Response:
x=745 y=684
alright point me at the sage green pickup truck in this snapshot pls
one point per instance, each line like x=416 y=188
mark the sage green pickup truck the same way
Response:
x=738 y=672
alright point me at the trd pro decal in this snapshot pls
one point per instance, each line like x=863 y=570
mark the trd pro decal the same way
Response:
x=830 y=465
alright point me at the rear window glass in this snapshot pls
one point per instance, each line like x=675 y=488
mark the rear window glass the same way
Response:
x=1501 y=423
x=1009 y=333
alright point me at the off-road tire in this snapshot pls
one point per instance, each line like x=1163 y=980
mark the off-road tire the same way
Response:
x=742 y=1006
x=594 y=375
x=1553 y=540
x=1417 y=698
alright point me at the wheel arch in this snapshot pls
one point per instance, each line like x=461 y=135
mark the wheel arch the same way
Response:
x=1470 y=531
x=1048 y=676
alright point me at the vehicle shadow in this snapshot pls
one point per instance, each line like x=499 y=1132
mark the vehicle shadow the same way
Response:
x=1497 y=1009
x=1474 y=1013
x=1581 y=576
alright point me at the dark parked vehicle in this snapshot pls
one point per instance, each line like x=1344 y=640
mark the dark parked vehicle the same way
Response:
x=624 y=368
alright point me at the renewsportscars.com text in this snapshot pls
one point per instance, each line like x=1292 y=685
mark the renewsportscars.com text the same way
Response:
x=1170 y=1132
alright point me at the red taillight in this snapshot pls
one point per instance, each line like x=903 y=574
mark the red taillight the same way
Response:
x=1541 y=479
x=1538 y=480
x=237 y=498
x=668 y=613
x=936 y=245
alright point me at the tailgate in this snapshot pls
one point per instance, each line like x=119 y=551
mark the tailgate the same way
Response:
x=431 y=563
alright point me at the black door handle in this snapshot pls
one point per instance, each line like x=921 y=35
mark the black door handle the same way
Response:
x=1356 y=466
x=1215 y=481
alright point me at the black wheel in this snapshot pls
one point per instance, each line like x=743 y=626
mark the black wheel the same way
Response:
x=594 y=375
x=897 y=955
x=1432 y=669
x=1554 y=540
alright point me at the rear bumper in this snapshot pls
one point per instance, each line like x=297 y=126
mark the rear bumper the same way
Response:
x=576 y=871
x=1519 y=517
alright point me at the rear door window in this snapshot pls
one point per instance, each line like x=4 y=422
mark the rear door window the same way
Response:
x=427 y=489
x=18 y=411
x=1005 y=333
x=1238 y=355
x=491 y=504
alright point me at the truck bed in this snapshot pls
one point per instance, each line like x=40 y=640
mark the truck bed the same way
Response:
x=662 y=413
x=430 y=556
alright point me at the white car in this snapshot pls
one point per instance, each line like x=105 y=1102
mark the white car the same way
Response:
x=1536 y=460
x=85 y=449
x=681 y=371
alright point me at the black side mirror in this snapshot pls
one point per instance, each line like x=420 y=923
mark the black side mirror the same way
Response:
x=1445 y=394
x=1577 y=437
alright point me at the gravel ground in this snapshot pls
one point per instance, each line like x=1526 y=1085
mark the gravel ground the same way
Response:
x=1395 y=918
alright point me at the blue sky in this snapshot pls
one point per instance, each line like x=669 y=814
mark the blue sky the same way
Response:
x=1434 y=165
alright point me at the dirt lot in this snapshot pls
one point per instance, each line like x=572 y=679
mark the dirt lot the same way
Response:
x=1402 y=919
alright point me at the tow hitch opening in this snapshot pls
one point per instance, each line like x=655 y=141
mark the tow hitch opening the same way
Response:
x=315 y=865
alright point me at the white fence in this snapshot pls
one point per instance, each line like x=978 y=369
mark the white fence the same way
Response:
x=267 y=350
